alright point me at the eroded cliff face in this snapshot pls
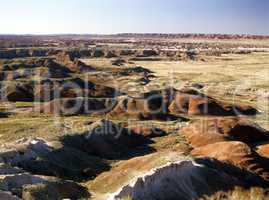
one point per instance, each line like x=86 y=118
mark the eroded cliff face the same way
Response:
x=188 y=179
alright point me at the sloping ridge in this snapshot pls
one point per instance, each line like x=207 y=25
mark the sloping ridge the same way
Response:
x=166 y=103
x=188 y=179
x=231 y=140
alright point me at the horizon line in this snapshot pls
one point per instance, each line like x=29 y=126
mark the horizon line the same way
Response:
x=131 y=33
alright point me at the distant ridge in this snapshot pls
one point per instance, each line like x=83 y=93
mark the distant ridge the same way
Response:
x=138 y=35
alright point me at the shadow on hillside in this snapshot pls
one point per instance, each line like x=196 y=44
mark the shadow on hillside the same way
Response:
x=204 y=178
x=78 y=158
x=109 y=148
x=65 y=162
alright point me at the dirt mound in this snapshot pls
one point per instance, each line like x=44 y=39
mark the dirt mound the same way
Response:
x=45 y=77
x=42 y=158
x=188 y=180
x=42 y=67
x=209 y=131
x=49 y=89
x=107 y=140
x=56 y=70
x=74 y=87
x=126 y=170
x=194 y=103
x=157 y=104
x=150 y=105
x=15 y=183
x=31 y=63
x=236 y=153
x=161 y=103
x=144 y=109
x=83 y=88
x=230 y=140
x=70 y=60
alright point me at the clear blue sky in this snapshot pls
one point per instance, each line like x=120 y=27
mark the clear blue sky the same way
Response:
x=139 y=16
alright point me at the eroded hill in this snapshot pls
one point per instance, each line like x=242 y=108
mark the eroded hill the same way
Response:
x=134 y=117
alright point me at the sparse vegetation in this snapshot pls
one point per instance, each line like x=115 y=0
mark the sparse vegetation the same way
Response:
x=186 y=74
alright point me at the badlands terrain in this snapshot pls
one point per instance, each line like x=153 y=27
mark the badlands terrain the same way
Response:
x=134 y=117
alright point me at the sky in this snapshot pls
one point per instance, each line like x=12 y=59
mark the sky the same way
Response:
x=134 y=16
